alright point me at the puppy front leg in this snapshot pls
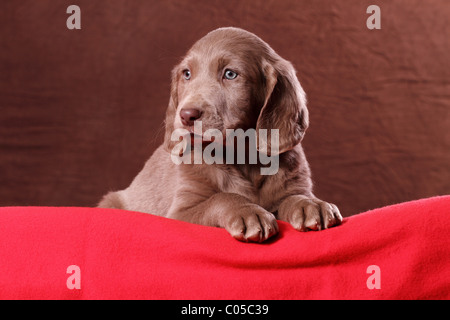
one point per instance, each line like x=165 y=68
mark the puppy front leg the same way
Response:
x=244 y=220
x=309 y=213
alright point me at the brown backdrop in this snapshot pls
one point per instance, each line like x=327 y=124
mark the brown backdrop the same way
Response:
x=81 y=110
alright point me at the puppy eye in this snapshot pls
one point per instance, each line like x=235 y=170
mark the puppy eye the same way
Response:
x=187 y=74
x=230 y=74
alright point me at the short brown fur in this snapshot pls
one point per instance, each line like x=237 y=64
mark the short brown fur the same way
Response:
x=266 y=94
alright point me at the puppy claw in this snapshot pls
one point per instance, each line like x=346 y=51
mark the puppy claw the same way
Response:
x=309 y=214
x=249 y=226
x=315 y=226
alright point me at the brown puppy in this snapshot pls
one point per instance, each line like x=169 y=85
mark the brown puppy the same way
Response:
x=231 y=79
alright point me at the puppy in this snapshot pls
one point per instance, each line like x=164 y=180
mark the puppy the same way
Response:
x=231 y=79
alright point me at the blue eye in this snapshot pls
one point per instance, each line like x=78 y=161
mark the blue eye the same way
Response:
x=187 y=74
x=230 y=74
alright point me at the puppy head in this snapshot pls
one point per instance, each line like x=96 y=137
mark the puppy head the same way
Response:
x=231 y=79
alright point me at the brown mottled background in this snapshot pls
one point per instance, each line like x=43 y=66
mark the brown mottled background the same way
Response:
x=81 y=110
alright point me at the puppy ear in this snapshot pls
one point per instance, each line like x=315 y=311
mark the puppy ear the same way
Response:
x=171 y=111
x=284 y=108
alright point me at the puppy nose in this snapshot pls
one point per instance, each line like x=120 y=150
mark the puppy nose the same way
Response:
x=189 y=115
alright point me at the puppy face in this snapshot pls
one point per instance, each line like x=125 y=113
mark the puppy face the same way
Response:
x=231 y=79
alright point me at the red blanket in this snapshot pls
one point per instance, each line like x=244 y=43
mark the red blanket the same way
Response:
x=400 y=252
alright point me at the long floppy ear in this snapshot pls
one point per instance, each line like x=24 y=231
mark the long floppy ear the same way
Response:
x=171 y=111
x=284 y=108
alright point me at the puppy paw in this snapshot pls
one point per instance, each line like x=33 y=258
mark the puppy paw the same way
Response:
x=252 y=224
x=306 y=214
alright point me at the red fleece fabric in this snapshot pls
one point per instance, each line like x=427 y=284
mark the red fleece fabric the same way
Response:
x=131 y=255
